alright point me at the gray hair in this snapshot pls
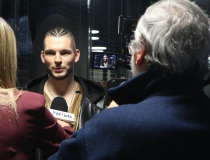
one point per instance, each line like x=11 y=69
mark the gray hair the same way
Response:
x=59 y=32
x=177 y=37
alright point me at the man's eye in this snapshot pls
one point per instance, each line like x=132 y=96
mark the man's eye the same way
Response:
x=65 y=53
x=49 y=53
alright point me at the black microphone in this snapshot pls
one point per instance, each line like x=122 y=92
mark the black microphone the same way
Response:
x=59 y=103
x=59 y=110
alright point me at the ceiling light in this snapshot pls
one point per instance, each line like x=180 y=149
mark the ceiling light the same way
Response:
x=98 y=48
x=97 y=51
x=95 y=38
x=94 y=31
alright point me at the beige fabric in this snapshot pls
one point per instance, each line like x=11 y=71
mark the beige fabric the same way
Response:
x=76 y=104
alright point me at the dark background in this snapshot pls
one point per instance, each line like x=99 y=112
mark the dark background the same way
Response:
x=31 y=19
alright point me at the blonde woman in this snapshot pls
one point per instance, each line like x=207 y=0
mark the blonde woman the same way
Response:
x=24 y=121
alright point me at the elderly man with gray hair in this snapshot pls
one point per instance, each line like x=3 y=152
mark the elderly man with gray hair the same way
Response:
x=163 y=112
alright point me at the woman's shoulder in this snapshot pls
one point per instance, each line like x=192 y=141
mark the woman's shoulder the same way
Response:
x=28 y=98
x=32 y=94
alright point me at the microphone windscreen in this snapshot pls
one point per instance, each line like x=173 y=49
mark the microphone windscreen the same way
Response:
x=59 y=103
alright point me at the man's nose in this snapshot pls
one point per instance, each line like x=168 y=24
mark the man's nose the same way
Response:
x=58 y=58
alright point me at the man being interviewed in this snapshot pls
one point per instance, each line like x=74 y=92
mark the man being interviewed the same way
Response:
x=163 y=112
x=84 y=97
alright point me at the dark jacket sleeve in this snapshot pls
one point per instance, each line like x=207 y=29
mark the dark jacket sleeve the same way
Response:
x=49 y=132
x=93 y=141
x=73 y=148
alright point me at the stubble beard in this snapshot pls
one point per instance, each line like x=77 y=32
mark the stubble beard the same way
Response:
x=49 y=71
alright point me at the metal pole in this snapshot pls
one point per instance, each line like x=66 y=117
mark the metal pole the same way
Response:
x=89 y=36
x=0 y=8
x=16 y=19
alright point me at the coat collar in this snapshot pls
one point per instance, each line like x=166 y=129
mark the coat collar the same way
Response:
x=150 y=83
x=91 y=90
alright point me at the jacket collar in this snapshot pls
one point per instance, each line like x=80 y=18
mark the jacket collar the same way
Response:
x=149 y=83
x=37 y=84
x=91 y=90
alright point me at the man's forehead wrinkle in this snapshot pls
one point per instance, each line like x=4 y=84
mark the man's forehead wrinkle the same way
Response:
x=54 y=40
x=58 y=36
x=49 y=50
x=61 y=50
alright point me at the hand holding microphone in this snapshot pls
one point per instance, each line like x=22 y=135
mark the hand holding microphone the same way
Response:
x=59 y=110
x=63 y=123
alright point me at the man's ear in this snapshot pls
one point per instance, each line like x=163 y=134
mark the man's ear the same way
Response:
x=42 y=56
x=77 y=55
x=140 y=56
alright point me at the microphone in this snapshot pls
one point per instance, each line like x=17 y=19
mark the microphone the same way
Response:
x=59 y=103
x=59 y=110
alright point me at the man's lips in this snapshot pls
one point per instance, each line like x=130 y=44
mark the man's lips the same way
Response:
x=58 y=69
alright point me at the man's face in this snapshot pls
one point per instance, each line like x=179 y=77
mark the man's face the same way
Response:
x=105 y=58
x=59 y=57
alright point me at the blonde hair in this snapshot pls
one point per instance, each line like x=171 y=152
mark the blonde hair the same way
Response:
x=8 y=66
